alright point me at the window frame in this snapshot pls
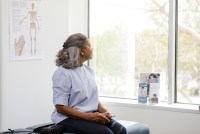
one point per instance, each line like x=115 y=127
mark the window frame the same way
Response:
x=172 y=48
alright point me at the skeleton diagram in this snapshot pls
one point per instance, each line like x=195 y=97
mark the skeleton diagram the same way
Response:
x=33 y=28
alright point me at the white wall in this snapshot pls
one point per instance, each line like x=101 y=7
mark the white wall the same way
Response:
x=25 y=86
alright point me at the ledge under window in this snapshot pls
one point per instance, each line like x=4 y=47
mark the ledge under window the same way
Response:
x=185 y=108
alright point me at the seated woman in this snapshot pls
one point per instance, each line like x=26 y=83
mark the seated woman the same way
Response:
x=75 y=93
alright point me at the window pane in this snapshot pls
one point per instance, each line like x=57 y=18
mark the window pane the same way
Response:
x=188 y=66
x=128 y=37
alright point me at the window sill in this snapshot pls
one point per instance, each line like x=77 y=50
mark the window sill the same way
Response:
x=184 y=108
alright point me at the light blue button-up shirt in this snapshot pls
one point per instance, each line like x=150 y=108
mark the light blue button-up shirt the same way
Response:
x=75 y=88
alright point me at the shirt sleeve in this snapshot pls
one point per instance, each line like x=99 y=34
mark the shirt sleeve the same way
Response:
x=61 y=88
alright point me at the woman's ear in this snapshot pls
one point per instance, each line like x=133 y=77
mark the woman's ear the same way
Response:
x=82 y=53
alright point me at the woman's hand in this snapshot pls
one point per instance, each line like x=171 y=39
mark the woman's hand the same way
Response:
x=108 y=115
x=99 y=117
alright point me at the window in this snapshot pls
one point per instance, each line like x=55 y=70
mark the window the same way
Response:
x=131 y=37
x=188 y=54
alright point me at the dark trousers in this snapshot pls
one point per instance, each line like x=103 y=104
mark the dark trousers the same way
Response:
x=87 y=127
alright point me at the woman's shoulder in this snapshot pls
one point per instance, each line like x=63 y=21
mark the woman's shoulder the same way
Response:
x=61 y=71
x=61 y=74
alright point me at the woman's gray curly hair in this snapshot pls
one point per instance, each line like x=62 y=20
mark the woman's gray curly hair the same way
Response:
x=69 y=56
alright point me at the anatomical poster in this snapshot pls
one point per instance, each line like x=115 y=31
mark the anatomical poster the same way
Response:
x=26 y=27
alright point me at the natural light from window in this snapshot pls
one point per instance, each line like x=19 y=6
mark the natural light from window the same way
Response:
x=130 y=37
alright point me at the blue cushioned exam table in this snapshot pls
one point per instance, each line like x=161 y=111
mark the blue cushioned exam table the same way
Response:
x=132 y=127
x=135 y=127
